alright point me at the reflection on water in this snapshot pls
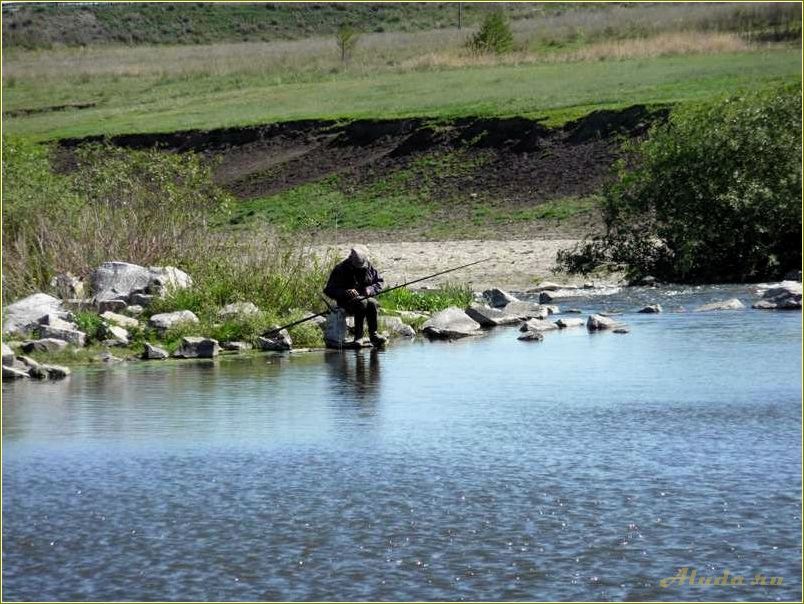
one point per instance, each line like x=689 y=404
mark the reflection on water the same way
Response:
x=588 y=466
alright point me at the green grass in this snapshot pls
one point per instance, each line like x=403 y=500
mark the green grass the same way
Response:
x=555 y=92
x=556 y=209
x=427 y=300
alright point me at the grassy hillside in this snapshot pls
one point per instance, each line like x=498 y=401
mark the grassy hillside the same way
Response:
x=151 y=103
x=42 y=26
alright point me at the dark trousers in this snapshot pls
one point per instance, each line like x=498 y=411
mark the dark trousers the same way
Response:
x=362 y=309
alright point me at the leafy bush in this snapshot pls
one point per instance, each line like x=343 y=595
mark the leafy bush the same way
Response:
x=715 y=195
x=145 y=207
x=494 y=35
x=90 y=323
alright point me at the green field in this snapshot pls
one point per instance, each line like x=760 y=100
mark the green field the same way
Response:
x=557 y=92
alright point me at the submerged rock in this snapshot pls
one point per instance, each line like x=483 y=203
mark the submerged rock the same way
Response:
x=531 y=336
x=236 y=346
x=731 y=304
x=451 y=323
x=651 y=309
x=785 y=296
x=154 y=353
x=497 y=298
x=56 y=372
x=599 y=322
x=538 y=325
x=522 y=311
x=622 y=330
x=275 y=342
x=195 y=347
x=567 y=323
x=12 y=373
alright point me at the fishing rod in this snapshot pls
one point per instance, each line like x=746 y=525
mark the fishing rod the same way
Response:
x=271 y=332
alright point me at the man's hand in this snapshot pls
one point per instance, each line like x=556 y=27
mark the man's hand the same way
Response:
x=367 y=291
x=351 y=294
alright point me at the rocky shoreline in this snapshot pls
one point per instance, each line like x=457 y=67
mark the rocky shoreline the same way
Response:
x=118 y=295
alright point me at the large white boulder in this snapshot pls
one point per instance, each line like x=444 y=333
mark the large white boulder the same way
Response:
x=451 y=323
x=118 y=280
x=166 y=320
x=22 y=316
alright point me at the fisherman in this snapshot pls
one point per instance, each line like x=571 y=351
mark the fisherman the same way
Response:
x=353 y=284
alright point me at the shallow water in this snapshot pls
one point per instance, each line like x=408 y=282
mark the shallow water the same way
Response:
x=587 y=466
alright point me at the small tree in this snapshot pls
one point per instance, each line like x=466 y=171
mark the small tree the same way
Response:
x=494 y=35
x=346 y=37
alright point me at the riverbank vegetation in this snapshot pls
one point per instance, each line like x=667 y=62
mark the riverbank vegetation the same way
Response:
x=713 y=195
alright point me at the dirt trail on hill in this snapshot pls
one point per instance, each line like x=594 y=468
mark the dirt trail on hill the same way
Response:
x=513 y=264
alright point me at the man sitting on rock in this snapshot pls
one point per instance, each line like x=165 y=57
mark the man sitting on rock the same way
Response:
x=352 y=284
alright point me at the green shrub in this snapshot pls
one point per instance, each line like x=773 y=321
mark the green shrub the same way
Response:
x=90 y=323
x=494 y=35
x=714 y=196
x=427 y=300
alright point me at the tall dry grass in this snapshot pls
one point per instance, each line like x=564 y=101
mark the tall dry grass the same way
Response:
x=603 y=31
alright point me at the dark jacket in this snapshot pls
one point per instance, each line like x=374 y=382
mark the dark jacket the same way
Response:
x=346 y=276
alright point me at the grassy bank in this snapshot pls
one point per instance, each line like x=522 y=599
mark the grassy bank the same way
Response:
x=552 y=91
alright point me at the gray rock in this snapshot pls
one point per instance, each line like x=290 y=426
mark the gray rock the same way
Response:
x=71 y=336
x=731 y=304
x=134 y=310
x=12 y=373
x=546 y=297
x=44 y=345
x=531 y=336
x=111 y=305
x=141 y=300
x=522 y=311
x=77 y=304
x=451 y=323
x=8 y=354
x=194 y=347
x=118 y=280
x=55 y=321
x=622 y=330
x=67 y=286
x=397 y=328
x=153 y=353
x=236 y=346
x=278 y=342
x=487 y=316
x=567 y=323
x=538 y=325
x=646 y=281
x=19 y=316
x=238 y=309
x=114 y=335
x=549 y=286
x=121 y=320
x=497 y=298
x=785 y=296
x=651 y=309
x=165 y=321
x=572 y=311
x=599 y=322
x=108 y=357
x=56 y=372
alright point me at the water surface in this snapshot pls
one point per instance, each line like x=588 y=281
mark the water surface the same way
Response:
x=587 y=466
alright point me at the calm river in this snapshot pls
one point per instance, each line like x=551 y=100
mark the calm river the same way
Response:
x=587 y=466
